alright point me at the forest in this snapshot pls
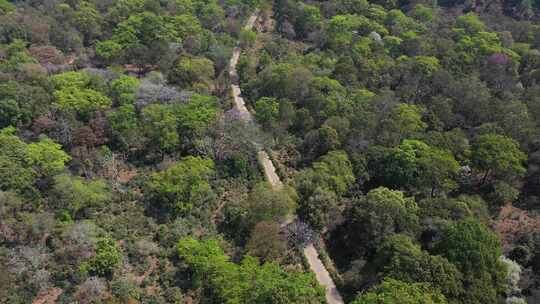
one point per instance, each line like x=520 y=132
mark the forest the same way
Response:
x=270 y=151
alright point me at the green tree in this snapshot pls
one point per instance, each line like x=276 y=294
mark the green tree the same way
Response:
x=378 y=215
x=268 y=204
x=107 y=259
x=401 y=259
x=266 y=110
x=498 y=156
x=404 y=121
x=183 y=188
x=415 y=164
x=475 y=250
x=266 y=243
x=123 y=89
x=83 y=101
x=47 y=156
x=159 y=124
x=196 y=116
x=247 y=282
x=336 y=171
x=75 y=194
x=192 y=70
x=392 y=291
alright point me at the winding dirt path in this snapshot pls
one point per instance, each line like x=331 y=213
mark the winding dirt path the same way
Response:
x=315 y=264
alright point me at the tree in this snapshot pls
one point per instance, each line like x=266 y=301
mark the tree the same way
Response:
x=404 y=121
x=266 y=242
x=392 y=291
x=336 y=170
x=195 y=116
x=266 y=111
x=83 y=101
x=475 y=250
x=123 y=89
x=48 y=156
x=378 y=215
x=247 y=282
x=268 y=204
x=184 y=188
x=415 y=164
x=191 y=70
x=499 y=156
x=15 y=174
x=159 y=124
x=75 y=194
x=401 y=259
x=319 y=209
x=107 y=258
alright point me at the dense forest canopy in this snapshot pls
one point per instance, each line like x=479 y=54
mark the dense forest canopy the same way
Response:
x=405 y=135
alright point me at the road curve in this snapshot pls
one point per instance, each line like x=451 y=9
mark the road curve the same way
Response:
x=323 y=277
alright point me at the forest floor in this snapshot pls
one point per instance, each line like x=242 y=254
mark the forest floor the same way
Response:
x=315 y=264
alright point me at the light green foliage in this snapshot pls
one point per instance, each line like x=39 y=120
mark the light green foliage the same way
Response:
x=319 y=187
x=122 y=9
x=83 y=101
x=186 y=26
x=399 y=23
x=196 y=116
x=21 y=163
x=336 y=171
x=191 y=70
x=47 y=155
x=391 y=291
x=107 y=259
x=470 y=23
x=88 y=20
x=6 y=7
x=475 y=43
x=145 y=28
x=423 y=13
x=498 y=155
x=266 y=110
x=71 y=79
x=184 y=187
x=108 y=49
x=125 y=124
x=73 y=94
x=308 y=20
x=247 y=38
x=267 y=204
x=404 y=121
x=75 y=193
x=15 y=56
x=15 y=174
x=124 y=88
x=247 y=282
x=342 y=28
x=159 y=124
x=184 y=6
x=424 y=65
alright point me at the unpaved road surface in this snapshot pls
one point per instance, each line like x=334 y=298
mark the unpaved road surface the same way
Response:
x=322 y=275
x=315 y=264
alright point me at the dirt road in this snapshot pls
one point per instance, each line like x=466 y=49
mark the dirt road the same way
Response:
x=315 y=264
x=323 y=277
